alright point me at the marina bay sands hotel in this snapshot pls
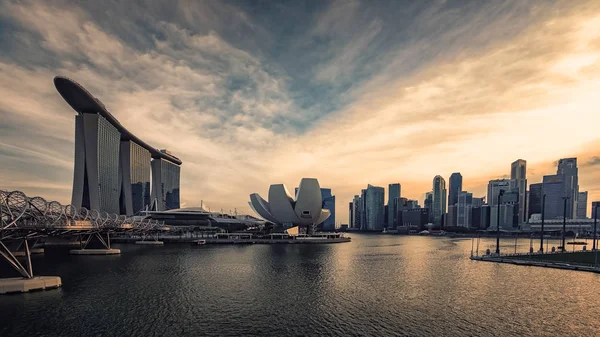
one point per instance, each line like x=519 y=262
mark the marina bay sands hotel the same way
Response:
x=113 y=167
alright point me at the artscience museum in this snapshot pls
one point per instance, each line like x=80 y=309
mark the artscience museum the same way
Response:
x=305 y=210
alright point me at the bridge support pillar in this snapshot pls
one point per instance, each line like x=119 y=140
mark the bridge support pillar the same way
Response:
x=154 y=240
x=103 y=251
x=27 y=282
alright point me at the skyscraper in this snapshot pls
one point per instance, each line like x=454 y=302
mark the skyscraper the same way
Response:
x=439 y=199
x=478 y=202
x=480 y=216
x=350 y=215
x=554 y=189
x=454 y=188
x=393 y=193
x=428 y=203
x=112 y=166
x=508 y=206
x=518 y=172
x=463 y=209
x=582 y=205
x=400 y=204
x=363 y=209
x=328 y=203
x=165 y=184
x=374 y=207
x=568 y=168
x=594 y=204
x=96 y=182
x=135 y=169
x=450 y=220
x=356 y=203
x=535 y=199
x=494 y=187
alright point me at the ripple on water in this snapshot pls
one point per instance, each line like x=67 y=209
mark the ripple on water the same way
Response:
x=374 y=286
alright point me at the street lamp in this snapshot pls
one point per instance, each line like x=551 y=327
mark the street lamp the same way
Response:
x=594 y=245
x=564 y=229
x=500 y=193
x=543 y=212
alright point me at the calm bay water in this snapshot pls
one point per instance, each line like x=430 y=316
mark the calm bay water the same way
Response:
x=374 y=286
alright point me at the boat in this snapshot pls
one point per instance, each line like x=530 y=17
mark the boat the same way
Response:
x=200 y=242
x=577 y=243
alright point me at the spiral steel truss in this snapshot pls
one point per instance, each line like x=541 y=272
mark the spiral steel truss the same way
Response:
x=20 y=213
x=24 y=218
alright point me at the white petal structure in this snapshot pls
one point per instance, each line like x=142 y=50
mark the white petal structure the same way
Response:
x=305 y=209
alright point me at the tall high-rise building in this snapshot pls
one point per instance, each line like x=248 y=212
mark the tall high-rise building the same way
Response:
x=450 y=220
x=454 y=188
x=401 y=205
x=568 y=168
x=478 y=202
x=463 y=209
x=428 y=203
x=363 y=209
x=350 y=215
x=554 y=189
x=595 y=205
x=582 y=205
x=135 y=169
x=96 y=182
x=527 y=208
x=480 y=217
x=165 y=184
x=439 y=199
x=494 y=187
x=508 y=205
x=393 y=193
x=518 y=172
x=328 y=203
x=416 y=218
x=374 y=207
x=535 y=199
x=112 y=166
x=356 y=203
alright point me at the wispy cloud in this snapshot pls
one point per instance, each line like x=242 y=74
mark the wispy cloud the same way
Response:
x=352 y=93
x=593 y=161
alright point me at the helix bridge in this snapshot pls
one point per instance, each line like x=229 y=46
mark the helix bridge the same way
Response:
x=25 y=220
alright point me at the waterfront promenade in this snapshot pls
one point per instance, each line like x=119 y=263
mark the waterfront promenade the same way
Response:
x=378 y=285
x=241 y=238
x=551 y=260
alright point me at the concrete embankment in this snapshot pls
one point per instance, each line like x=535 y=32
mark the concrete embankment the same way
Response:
x=23 y=285
x=235 y=241
x=524 y=261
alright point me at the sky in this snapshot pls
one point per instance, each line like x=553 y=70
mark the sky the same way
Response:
x=253 y=93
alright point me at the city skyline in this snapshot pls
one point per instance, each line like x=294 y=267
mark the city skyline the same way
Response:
x=371 y=106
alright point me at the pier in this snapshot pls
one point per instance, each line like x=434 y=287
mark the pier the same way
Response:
x=541 y=260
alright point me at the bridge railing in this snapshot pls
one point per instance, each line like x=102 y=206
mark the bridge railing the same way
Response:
x=18 y=211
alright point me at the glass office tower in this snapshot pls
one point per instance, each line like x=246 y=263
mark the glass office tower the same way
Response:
x=96 y=175
x=554 y=189
x=165 y=184
x=135 y=170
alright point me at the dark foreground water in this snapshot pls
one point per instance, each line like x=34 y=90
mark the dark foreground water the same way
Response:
x=374 y=286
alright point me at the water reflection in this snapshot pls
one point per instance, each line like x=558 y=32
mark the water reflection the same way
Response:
x=376 y=285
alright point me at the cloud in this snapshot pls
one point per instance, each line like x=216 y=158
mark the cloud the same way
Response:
x=352 y=93
x=593 y=161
